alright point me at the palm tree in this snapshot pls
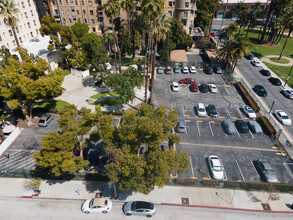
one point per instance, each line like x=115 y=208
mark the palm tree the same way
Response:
x=111 y=9
x=161 y=28
x=9 y=11
x=251 y=18
x=226 y=53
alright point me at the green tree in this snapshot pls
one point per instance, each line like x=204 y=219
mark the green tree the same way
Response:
x=4 y=55
x=24 y=82
x=178 y=36
x=80 y=29
x=204 y=14
x=9 y=11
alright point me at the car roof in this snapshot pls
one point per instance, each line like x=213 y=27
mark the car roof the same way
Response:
x=144 y=205
x=200 y=105
x=100 y=202
x=266 y=164
x=216 y=162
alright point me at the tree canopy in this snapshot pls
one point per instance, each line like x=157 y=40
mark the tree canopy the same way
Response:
x=80 y=29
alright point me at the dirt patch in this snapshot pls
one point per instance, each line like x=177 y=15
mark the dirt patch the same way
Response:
x=28 y=123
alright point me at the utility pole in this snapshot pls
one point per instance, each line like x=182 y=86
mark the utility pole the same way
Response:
x=288 y=77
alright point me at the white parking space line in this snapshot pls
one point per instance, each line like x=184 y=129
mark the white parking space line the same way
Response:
x=183 y=110
x=226 y=90
x=228 y=112
x=198 y=128
x=289 y=171
x=255 y=169
x=240 y=113
x=251 y=134
x=26 y=164
x=237 y=132
x=240 y=170
x=191 y=166
x=211 y=129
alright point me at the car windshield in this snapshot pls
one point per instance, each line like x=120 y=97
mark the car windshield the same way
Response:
x=217 y=168
x=261 y=89
x=201 y=109
x=269 y=172
x=42 y=121
x=249 y=110
x=91 y=203
x=285 y=117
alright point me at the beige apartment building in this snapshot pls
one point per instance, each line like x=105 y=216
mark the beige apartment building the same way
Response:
x=28 y=25
x=68 y=12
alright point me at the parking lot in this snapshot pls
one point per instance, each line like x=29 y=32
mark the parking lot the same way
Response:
x=204 y=136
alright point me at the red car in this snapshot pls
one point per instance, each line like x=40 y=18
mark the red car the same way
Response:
x=213 y=34
x=193 y=87
x=187 y=81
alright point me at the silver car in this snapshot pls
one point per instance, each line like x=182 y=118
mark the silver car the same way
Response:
x=139 y=208
x=45 y=120
x=267 y=172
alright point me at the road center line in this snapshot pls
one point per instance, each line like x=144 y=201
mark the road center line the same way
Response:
x=240 y=170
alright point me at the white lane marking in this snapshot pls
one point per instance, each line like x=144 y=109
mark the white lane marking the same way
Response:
x=185 y=128
x=191 y=166
x=240 y=170
x=289 y=171
x=226 y=90
x=25 y=164
x=198 y=128
x=237 y=132
x=211 y=129
x=255 y=169
x=228 y=112
x=183 y=110
x=240 y=113
x=251 y=134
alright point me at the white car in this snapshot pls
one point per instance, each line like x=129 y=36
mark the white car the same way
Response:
x=283 y=117
x=288 y=93
x=185 y=69
x=192 y=69
x=175 y=86
x=201 y=111
x=102 y=204
x=216 y=167
x=255 y=62
x=213 y=88
x=249 y=111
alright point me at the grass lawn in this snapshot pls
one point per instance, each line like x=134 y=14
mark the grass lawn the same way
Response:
x=275 y=59
x=114 y=101
x=52 y=104
x=103 y=94
x=282 y=72
x=66 y=72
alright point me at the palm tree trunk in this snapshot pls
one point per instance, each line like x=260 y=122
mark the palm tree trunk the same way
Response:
x=15 y=37
x=280 y=37
x=133 y=36
x=285 y=44
x=272 y=6
x=145 y=68
x=149 y=62
x=114 y=44
x=153 y=71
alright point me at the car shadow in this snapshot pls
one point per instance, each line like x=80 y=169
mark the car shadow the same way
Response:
x=254 y=162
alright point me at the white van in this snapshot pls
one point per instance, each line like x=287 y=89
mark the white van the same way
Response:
x=255 y=62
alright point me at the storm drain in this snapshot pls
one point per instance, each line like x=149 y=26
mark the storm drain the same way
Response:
x=266 y=206
x=185 y=201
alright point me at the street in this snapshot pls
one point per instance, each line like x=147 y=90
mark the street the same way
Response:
x=16 y=208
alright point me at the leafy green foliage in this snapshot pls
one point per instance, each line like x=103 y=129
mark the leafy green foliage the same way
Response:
x=204 y=13
x=80 y=29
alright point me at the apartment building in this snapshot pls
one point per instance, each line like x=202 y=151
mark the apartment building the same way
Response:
x=67 y=12
x=28 y=25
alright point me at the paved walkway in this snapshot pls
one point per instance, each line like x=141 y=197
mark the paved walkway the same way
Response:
x=267 y=59
x=168 y=195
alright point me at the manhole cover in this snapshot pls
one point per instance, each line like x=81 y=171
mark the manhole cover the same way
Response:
x=266 y=206
x=185 y=201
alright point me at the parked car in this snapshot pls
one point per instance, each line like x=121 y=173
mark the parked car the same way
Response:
x=209 y=70
x=255 y=62
x=250 y=56
x=216 y=167
x=45 y=120
x=212 y=111
x=181 y=127
x=260 y=90
x=242 y=126
x=176 y=69
x=175 y=86
x=287 y=93
x=192 y=69
x=266 y=171
x=213 y=34
x=160 y=70
x=218 y=70
x=139 y=208
x=265 y=72
x=229 y=127
x=249 y=111
x=103 y=205
x=275 y=81
x=283 y=117
x=185 y=69
x=213 y=88
x=201 y=111
x=193 y=87
x=187 y=81
x=204 y=88
x=168 y=70
x=255 y=127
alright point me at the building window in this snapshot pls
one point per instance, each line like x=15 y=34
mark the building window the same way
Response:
x=137 y=8
x=184 y=22
x=223 y=8
x=173 y=2
x=185 y=15
x=10 y=32
x=56 y=11
x=170 y=4
x=70 y=21
x=28 y=24
x=22 y=3
x=262 y=7
x=186 y=4
x=68 y=12
x=85 y=21
x=37 y=31
x=0 y=38
x=32 y=13
x=82 y=2
x=93 y=21
x=71 y=1
x=90 y=3
x=76 y=2
x=170 y=13
x=83 y=12
x=29 y=2
x=190 y=23
x=20 y=39
x=77 y=11
x=73 y=18
x=99 y=3
x=91 y=12
x=72 y=9
x=34 y=22
x=62 y=11
x=25 y=14
x=17 y=31
x=32 y=34
x=64 y=21
x=66 y=2
x=60 y=2
x=94 y=29
x=229 y=7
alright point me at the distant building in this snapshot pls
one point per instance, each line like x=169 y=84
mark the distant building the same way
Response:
x=28 y=25
x=225 y=10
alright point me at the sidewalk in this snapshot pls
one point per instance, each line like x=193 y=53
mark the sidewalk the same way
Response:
x=168 y=195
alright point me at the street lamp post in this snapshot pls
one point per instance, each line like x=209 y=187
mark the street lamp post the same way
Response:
x=288 y=77
x=272 y=106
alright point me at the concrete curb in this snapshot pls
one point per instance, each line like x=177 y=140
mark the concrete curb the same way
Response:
x=228 y=208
